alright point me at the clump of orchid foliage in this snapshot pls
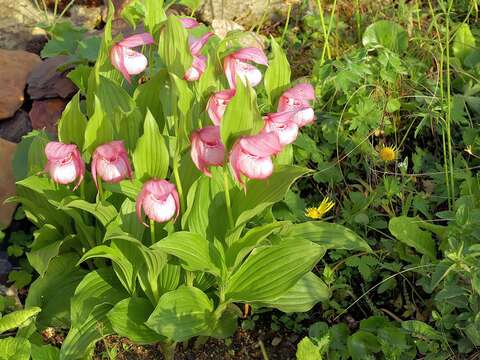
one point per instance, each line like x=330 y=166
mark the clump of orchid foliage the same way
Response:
x=153 y=208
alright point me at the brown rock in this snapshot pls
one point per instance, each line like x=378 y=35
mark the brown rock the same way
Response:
x=7 y=182
x=46 y=113
x=46 y=81
x=15 y=66
x=14 y=128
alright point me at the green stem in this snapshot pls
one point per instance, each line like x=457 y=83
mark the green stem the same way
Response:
x=227 y=198
x=178 y=181
x=189 y=276
x=100 y=189
x=168 y=350
x=262 y=20
x=326 y=46
x=449 y=101
x=358 y=19
x=152 y=232
x=286 y=24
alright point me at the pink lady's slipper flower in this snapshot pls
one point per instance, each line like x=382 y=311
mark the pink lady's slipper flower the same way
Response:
x=251 y=156
x=207 y=148
x=281 y=123
x=128 y=61
x=199 y=61
x=64 y=163
x=110 y=162
x=297 y=99
x=217 y=104
x=236 y=64
x=159 y=200
x=189 y=23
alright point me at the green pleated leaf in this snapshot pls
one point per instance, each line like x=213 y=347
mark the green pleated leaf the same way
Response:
x=151 y=157
x=94 y=297
x=104 y=211
x=277 y=76
x=45 y=352
x=241 y=117
x=270 y=271
x=129 y=188
x=128 y=317
x=194 y=251
x=302 y=296
x=72 y=124
x=125 y=273
x=14 y=349
x=182 y=314
x=263 y=193
x=329 y=235
x=147 y=97
x=52 y=291
x=45 y=246
x=240 y=248
x=154 y=14
x=173 y=47
x=99 y=129
x=82 y=337
x=17 y=318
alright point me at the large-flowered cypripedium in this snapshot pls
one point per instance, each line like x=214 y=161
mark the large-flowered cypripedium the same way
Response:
x=64 y=163
x=297 y=100
x=199 y=63
x=207 y=148
x=237 y=64
x=217 y=104
x=251 y=156
x=159 y=200
x=110 y=163
x=127 y=61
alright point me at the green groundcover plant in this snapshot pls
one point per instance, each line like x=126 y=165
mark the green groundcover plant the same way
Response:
x=153 y=210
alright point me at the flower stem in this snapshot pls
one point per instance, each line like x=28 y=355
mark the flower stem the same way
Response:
x=286 y=24
x=227 y=198
x=100 y=190
x=152 y=232
x=178 y=181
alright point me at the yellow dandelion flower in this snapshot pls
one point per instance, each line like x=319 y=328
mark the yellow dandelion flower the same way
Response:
x=388 y=153
x=318 y=212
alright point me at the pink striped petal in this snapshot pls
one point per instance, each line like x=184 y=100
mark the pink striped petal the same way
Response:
x=137 y=40
x=251 y=54
x=196 y=45
x=197 y=69
x=283 y=125
x=261 y=145
x=255 y=167
x=117 y=57
x=217 y=104
x=57 y=151
x=189 y=23
x=302 y=91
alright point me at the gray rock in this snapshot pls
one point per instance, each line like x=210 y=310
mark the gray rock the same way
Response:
x=18 y=19
x=244 y=12
x=14 y=128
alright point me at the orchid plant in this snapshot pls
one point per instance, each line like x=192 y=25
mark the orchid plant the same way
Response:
x=154 y=207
